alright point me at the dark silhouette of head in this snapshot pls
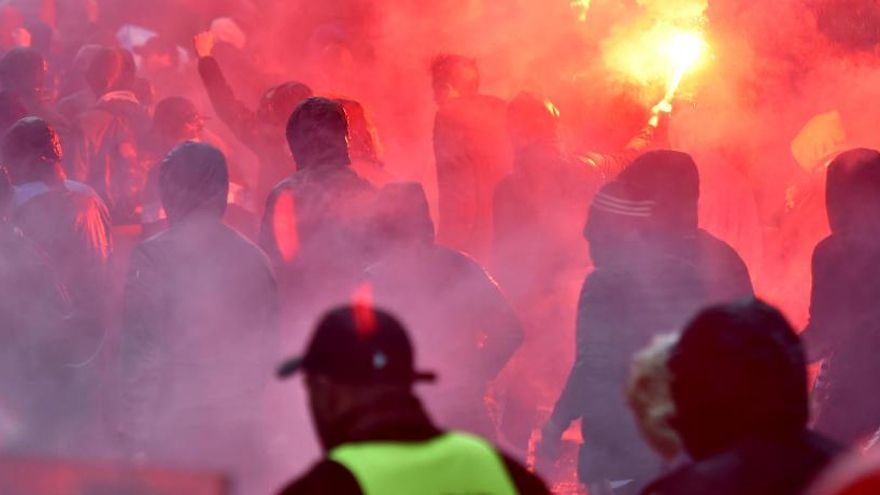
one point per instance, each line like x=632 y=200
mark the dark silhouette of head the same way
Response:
x=671 y=179
x=177 y=119
x=23 y=70
x=617 y=223
x=110 y=70
x=194 y=180
x=453 y=76
x=402 y=217
x=738 y=373
x=852 y=193
x=531 y=121
x=358 y=358
x=317 y=133
x=279 y=102
x=32 y=152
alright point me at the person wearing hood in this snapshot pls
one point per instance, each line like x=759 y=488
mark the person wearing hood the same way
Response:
x=200 y=306
x=472 y=154
x=65 y=218
x=844 y=326
x=314 y=226
x=635 y=292
x=739 y=383
x=262 y=130
x=455 y=305
x=671 y=179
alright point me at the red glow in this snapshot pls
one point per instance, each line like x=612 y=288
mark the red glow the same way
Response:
x=364 y=316
x=284 y=227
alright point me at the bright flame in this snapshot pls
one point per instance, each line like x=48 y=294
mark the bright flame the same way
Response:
x=683 y=50
x=582 y=7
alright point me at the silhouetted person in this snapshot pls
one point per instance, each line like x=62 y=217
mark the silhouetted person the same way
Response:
x=377 y=436
x=363 y=145
x=66 y=219
x=262 y=130
x=199 y=328
x=739 y=383
x=472 y=154
x=315 y=220
x=671 y=179
x=12 y=109
x=457 y=308
x=636 y=292
x=844 y=326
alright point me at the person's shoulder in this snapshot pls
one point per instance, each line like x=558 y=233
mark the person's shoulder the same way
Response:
x=324 y=477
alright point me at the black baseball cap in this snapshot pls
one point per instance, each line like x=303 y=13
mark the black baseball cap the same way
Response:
x=359 y=345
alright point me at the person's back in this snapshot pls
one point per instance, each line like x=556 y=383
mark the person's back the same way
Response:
x=359 y=374
x=739 y=384
x=843 y=327
x=200 y=313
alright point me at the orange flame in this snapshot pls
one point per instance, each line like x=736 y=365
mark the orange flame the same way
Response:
x=364 y=316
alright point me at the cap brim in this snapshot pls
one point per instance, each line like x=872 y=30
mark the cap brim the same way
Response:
x=290 y=367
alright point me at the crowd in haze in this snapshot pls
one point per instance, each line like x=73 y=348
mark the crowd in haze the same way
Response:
x=164 y=244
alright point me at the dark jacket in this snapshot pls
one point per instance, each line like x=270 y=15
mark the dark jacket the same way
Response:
x=622 y=307
x=783 y=466
x=405 y=422
x=844 y=325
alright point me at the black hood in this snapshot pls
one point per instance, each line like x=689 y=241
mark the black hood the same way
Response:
x=852 y=194
x=671 y=179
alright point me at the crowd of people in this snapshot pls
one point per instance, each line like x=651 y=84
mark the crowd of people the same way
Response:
x=157 y=267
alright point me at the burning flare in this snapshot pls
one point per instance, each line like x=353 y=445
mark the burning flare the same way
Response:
x=582 y=7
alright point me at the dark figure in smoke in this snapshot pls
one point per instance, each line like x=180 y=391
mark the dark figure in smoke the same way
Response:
x=315 y=220
x=472 y=153
x=199 y=327
x=461 y=315
x=23 y=71
x=113 y=129
x=378 y=438
x=539 y=255
x=363 y=145
x=844 y=323
x=65 y=218
x=261 y=130
x=739 y=383
x=635 y=292
x=671 y=179
x=37 y=343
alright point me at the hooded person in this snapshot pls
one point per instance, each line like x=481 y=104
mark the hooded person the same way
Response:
x=671 y=179
x=314 y=226
x=844 y=326
x=66 y=219
x=472 y=154
x=636 y=292
x=739 y=383
x=262 y=129
x=457 y=308
x=200 y=312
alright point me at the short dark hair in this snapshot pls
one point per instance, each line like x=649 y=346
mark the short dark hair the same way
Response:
x=738 y=371
x=459 y=72
x=279 y=102
x=193 y=177
x=317 y=133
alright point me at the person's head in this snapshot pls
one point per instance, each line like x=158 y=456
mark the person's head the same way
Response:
x=616 y=224
x=23 y=70
x=177 y=119
x=671 y=179
x=738 y=373
x=159 y=54
x=32 y=152
x=358 y=358
x=401 y=217
x=363 y=140
x=109 y=71
x=193 y=180
x=453 y=76
x=531 y=120
x=852 y=193
x=649 y=396
x=279 y=102
x=317 y=133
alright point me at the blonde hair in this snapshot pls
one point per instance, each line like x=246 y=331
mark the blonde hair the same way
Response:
x=649 y=395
